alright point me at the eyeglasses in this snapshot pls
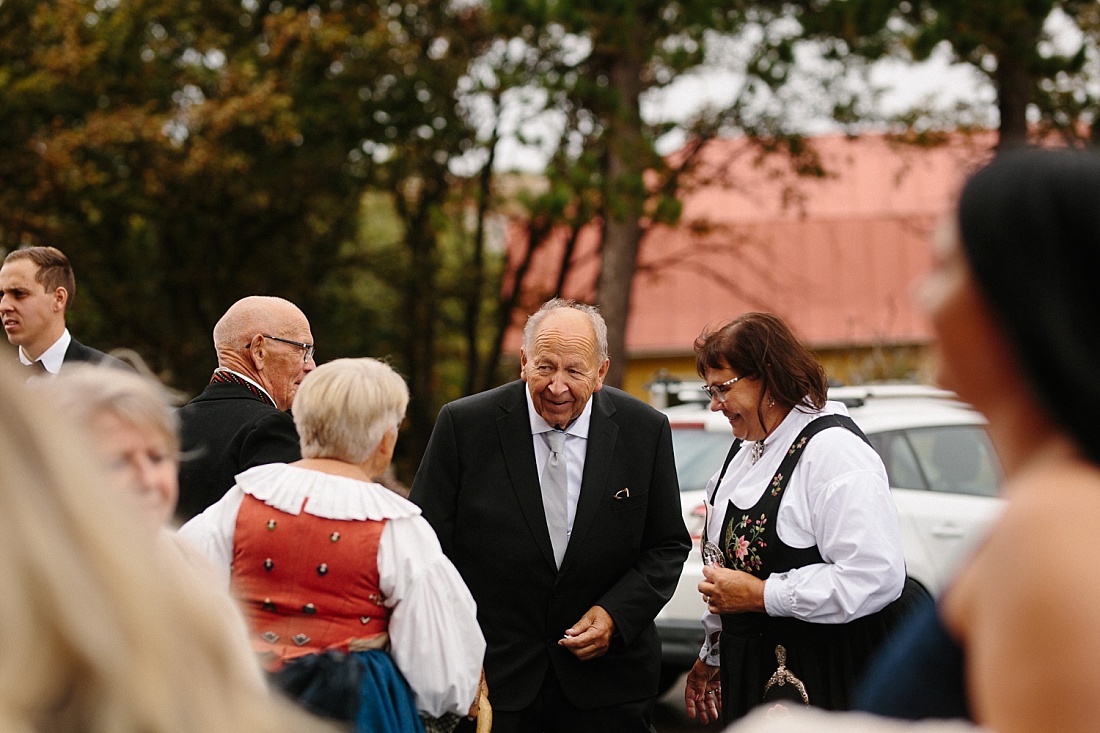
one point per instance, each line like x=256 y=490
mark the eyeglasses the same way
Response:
x=310 y=349
x=718 y=391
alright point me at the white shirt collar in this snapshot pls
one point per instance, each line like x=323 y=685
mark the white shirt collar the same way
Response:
x=53 y=357
x=251 y=381
x=578 y=428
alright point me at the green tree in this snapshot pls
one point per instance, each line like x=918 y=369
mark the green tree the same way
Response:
x=185 y=153
x=1007 y=41
x=593 y=64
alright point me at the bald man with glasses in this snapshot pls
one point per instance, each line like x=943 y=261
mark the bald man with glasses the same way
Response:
x=265 y=349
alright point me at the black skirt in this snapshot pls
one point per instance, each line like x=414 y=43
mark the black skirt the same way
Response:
x=827 y=658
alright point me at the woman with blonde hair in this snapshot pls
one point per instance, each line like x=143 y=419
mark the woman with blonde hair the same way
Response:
x=130 y=419
x=350 y=600
x=98 y=632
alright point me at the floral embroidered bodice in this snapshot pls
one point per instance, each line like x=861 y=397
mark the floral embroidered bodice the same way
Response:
x=749 y=540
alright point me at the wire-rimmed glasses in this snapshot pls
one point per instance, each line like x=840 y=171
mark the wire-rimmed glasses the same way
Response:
x=308 y=349
x=718 y=391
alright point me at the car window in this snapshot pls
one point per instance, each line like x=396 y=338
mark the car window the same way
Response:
x=902 y=467
x=957 y=458
x=699 y=455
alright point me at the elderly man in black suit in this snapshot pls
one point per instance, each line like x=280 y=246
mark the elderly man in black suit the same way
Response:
x=37 y=286
x=265 y=350
x=557 y=500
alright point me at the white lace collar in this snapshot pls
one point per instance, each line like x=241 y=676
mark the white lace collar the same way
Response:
x=287 y=488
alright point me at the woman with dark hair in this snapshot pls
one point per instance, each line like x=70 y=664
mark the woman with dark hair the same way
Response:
x=1013 y=299
x=805 y=570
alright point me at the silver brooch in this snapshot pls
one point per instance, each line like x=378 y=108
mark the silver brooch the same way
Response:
x=757 y=451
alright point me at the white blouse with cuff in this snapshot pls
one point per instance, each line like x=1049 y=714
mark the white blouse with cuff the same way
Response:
x=435 y=639
x=838 y=499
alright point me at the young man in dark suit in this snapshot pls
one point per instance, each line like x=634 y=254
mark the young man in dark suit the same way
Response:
x=37 y=286
x=265 y=350
x=557 y=500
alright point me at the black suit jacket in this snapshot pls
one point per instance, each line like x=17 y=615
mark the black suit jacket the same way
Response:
x=226 y=430
x=78 y=352
x=478 y=486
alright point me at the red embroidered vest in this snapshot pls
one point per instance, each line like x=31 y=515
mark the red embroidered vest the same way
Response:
x=307 y=583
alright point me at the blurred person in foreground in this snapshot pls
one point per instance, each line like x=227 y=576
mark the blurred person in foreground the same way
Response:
x=1013 y=300
x=345 y=587
x=569 y=569
x=132 y=425
x=100 y=633
x=807 y=574
x=241 y=419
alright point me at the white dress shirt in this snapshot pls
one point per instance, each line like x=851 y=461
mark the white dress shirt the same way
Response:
x=838 y=499
x=576 y=447
x=435 y=639
x=53 y=357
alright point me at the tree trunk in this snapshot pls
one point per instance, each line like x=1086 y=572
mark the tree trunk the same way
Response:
x=420 y=313
x=511 y=296
x=1014 y=87
x=622 y=208
x=474 y=294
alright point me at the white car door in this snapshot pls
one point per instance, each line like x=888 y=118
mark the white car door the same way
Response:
x=944 y=481
x=939 y=529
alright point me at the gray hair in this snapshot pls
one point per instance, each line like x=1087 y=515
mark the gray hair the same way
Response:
x=86 y=391
x=593 y=313
x=344 y=408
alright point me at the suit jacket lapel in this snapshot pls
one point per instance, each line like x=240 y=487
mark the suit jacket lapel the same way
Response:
x=74 y=352
x=602 y=434
x=514 y=429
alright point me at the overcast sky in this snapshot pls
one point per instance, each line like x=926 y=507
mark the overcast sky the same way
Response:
x=936 y=83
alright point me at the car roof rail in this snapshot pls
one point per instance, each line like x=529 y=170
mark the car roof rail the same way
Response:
x=857 y=395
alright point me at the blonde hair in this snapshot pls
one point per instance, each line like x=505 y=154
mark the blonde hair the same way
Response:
x=98 y=634
x=85 y=391
x=345 y=406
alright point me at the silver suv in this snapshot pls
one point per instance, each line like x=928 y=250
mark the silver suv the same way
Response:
x=942 y=468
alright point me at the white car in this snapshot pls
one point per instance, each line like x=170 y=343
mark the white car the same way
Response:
x=943 y=472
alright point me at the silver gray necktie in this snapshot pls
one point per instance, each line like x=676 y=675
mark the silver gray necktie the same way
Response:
x=555 y=489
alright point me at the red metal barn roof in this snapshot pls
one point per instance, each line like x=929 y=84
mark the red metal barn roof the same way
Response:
x=837 y=257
